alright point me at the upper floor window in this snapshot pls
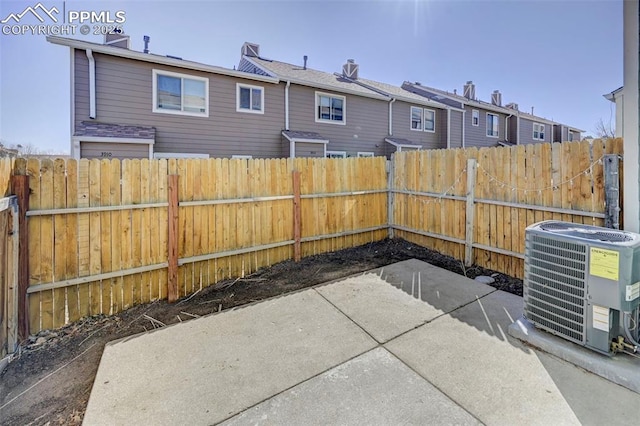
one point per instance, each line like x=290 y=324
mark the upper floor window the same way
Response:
x=475 y=117
x=492 y=125
x=249 y=98
x=175 y=93
x=429 y=120
x=330 y=108
x=538 y=131
x=423 y=119
x=416 y=118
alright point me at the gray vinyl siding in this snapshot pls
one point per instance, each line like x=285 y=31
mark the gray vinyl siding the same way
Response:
x=402 y=126
x=366 y=121
x=456 y=129
x=477 y=135
x=304 y=149
x=124 y=96
x=513 y=129
x=526 y=132
x=113 y=150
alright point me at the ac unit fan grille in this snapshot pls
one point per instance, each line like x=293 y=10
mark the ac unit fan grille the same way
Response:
x=587 y=233
x=554 y=286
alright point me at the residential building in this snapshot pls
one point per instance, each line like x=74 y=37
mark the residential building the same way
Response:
x=355 y=115
x=130 y=104
x=491 y=123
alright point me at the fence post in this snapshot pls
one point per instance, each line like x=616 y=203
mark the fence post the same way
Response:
x=611 y=191
x=296 y=216
x=14 y=261
x=172 y=276
x=390 y=194
x=20 y=185
x=471 y=210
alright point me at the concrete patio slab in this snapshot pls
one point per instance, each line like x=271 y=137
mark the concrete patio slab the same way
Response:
x=374 y=388
x=468 y=356
x=206 y=370
x=443 y=290
x=621 y=369
x=382 y=310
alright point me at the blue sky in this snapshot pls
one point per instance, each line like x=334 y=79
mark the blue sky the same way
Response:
x=558 y=56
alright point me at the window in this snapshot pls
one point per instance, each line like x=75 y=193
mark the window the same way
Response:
x=365 y=154
x=330 y=108
x=249 y=98
x=570 y=133
x=429 y=120
x=538 y=131
x=336 y=154
x=420 y=116
x=416 y=118
x=180 y=94
x=475 y=117
x=492 y=125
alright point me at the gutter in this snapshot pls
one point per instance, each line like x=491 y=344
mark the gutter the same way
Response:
x=92 y=84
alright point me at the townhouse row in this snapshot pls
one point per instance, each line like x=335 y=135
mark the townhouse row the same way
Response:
x=131 y=104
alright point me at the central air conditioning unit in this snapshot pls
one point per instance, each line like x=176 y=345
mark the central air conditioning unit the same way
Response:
x=582 y=283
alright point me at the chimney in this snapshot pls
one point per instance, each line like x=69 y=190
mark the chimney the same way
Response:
x=305 y=57
x=496 y=98
x=469 y=90
x=251 y=49
x=117 y=39
x=512 y=105
x=350 y=69
x=146 y=40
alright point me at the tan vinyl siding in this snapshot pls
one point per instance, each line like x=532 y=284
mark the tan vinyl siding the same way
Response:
x=124 y=96
x=113 y=150
x=477 y=135
x=304 y=149
x=366 y=121
x=428 y=140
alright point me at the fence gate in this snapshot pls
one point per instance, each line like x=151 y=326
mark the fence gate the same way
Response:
x=8 y=276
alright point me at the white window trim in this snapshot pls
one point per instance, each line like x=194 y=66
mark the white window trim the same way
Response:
x=421 y=128
x=242 y=157
x=344 y=109
x=424 y=120
x=498 y=126
x=341 y=154
x=178 y=75
x=366 y=154
x=250 y=87
x=475 y=112
x=540 y=130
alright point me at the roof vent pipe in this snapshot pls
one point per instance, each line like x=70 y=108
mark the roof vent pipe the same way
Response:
x=305 y=57
x=146 y=40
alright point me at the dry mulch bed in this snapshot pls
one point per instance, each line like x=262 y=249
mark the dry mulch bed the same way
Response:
x=51 y=380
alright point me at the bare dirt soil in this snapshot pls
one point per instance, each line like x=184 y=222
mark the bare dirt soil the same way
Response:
x=50 y=381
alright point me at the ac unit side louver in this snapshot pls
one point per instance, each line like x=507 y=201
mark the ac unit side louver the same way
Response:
x=582 y=282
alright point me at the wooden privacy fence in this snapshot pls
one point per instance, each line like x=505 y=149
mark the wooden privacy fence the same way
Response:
x=104 y=235
x=99 y=236
x=474 y=204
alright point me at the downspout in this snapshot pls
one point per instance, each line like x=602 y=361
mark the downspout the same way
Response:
x=506 y=128
x=92 y=84
x=464 y=123
x=292 y=144
x=286 y=105
x=391 y=101
x=448 y=128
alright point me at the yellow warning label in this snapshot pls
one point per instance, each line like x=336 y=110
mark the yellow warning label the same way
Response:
x=604 y=263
